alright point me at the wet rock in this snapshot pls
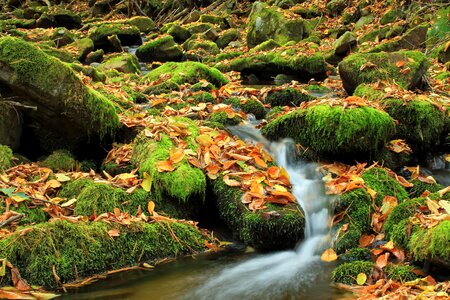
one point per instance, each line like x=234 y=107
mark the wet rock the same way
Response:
x=371 y=67
x=162 y=48
x=80 y=48
x=267 y=23
x=125 y=63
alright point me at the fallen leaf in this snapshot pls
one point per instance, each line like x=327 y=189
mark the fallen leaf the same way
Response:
x=382 y=260
x=361 y=278
x=113 y=233
x=147 y=182
x=176 y=155
x=231 y=182
x=165 y=166
x=151 y=207
x=329 y=255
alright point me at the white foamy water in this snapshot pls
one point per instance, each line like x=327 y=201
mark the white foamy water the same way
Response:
x=285 y=274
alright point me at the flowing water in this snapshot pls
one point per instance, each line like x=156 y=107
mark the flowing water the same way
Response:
x=294 y=274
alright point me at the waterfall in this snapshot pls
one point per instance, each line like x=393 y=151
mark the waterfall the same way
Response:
x=283 y=274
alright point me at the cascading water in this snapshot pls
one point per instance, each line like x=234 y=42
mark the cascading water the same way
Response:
x=284 y=274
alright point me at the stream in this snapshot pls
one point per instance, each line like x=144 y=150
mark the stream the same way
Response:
x=233 y=274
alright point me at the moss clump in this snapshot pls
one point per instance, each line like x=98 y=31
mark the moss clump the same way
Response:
x=162 y=48
x=182 y=184
x=179 y=33
x=203 y=86
x=382 y=66
x=200 y=97
x=432 y=244
x=248 y=106
x=400 y=273
x=129 y=34
x=145 y=24
x=102 y=198
x=420 y=122
x=280 y=231
x=347 y=273
x=381 y=182
x=287 y=97
x=73 y=188
x=60 y=160
x=355 y=254
x=358 y=131
x=227 y=36
x=162 y=88
x=200 y=44
x=401 y=212
x=80 y=250
x=368 y=92
x=358 y=206
x=187 y=72
x=420 y=187
x=222 y=118
x=5 y=157
x=32 y=214
x=113 y=169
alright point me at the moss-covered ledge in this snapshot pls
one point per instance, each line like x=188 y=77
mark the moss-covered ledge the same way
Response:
x=274 y=228
x=82 y=249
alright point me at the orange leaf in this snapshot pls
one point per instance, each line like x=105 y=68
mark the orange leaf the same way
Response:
x=288 y=195
x=113 y=233
x=388 y=246
x=259 y=162
x=365 y=240
x=228 y=164
x=400 y=64
x=193 y=161
x=257 y=188
x=230 y=182
x=240 y=157
x=274 y=172
x=382 y=260
x=165 y=165
x=176 y=155
x=151 y=207
x=277 y=200
x=329 y=255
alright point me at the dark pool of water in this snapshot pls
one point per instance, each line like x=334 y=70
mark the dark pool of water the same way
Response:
x=183 y=278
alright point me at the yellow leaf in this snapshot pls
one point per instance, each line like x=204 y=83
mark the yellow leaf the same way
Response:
x=446 y=205
x=62 y=177
x=433 y=206
x=147 y=182
x=53 y=183
x=148 y=266
x=69 y=203
x=329 y=255
x=3 y=267
x=361 y=278
x=280 y=188
x=151 y=207
x=18 y=198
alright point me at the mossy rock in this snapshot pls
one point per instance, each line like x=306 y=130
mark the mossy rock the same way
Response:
x=187 y=72
x=371 y=67
x=62 y=37
x=281 y=230
x=400 y=213
x=72 y=189
x=162 y=88
x=203 y=86
x=228 y=36
x=184 y=184
x=432 y=244
x=125 y=63
x=287 y=97
x=128 y=35
x=390 y=16
x=75 y=251
x=32 y=214
x=69 y=113
x=266 y=46
x=221 y=117
x=145 y=24
x=420 y=123
x=413 y=39
x=420 y=187
x=381 y=182
x=289 y=61
x=209 y=47
x=440 y=29
x=347 y=272
x=198 y=27
x=162 y=48
x=58 y=17
x=358 y=206
x=334 y=131
x=80 y=48
x=6 y=155
x=268 y=23
x=217 y=20
x=368 y=92
x=355 y=254
x=94 y=73
x=179 y=33
x=345 y=43
x=113 y=169
x=60 y=160
x=248 y=106
x=201 y=97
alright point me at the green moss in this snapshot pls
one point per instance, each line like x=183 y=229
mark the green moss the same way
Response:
x=371 y=67
x=203 y=86
x=381 y=182
x=73 y=188
x=227 y=36
x=201 y=97
x=125 y=63
x=400 y=232
x=368 y=92
x=5 y=157
x=209 y=46
x=145 y=24
x=420 y=187
x=287 y=97
x=359 y=131
x=266 y=233
x=109 y=29
x=60 y=160
x=179 y=33
x=76 y=251
x=113 y=169
x=163 y=48
x=443 y=76
x=185 y=182
x=420 y=122
x=32 y=214
x=432 y=244
x=347 y=273
x=187 y=72
x=356 y=254
x=248 y=106
x=390 y=16
x=222 y=118
x=81 y=47
x=401 y=212
x=275 y=111
x=440 y=29
x=162 y=88
x=266 y=46
x=400 y=273
x=221 y=21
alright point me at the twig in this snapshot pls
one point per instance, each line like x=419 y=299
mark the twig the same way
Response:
x=14 y=103
x=12 y=219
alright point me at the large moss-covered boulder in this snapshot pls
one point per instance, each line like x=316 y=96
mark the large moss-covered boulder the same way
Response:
x=186 y=72
x=125 y=63
x=73 y=251
x=420 y=123
x=292 y=60
x=80 y=48
x=68 y=113
x=371 y=67
x=334 y=131
x=345 y=43
x=274 y=228
x=162 y=48
x=145 y=24
x=413 y=39
x=58 y=17
x=269 y=23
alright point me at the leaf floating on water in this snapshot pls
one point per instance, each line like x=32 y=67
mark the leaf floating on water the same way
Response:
x=329 y=255
x=361 y=278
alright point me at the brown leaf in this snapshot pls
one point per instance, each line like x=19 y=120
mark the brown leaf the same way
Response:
x=151 y=207
x=176 y=155
x=114 y=233
x=382 y=260
x=365 y=240
x=230 y=182
x=165 y=166
x=329 y=255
